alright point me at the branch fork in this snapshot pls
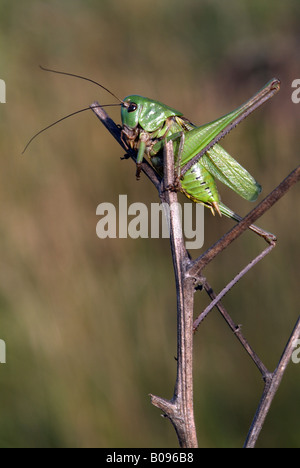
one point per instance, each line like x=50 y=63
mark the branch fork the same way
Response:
x=189 y=274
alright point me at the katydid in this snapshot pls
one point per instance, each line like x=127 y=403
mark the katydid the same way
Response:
x=199 y=159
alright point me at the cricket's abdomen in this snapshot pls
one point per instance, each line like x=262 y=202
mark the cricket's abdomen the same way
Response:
x=199 y=185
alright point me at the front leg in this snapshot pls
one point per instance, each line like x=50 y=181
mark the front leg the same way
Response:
x=143 y=139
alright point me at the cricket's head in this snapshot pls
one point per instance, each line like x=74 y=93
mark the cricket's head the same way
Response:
x=149 y=114
x=136 y=112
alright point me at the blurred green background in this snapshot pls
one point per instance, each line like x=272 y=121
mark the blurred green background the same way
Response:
x=85 y=342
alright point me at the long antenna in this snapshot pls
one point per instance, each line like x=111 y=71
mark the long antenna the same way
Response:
x=60 y=120
x=76 y=112
x=82 y=78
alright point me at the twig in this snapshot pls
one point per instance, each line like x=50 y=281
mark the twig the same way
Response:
x=271 y=386
x=180 y=409
x=256 y=101
x=237 y=331
x=198 y=265
x=231 y=284
x=110 y=125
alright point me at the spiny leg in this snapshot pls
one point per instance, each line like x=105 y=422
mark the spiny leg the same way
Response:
x=268 y=236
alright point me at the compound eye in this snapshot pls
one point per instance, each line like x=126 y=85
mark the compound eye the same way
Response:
x=132 y=107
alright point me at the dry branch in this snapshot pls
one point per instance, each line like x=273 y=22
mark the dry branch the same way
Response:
x=180 y=409
x=272 y=382
x=187 y=274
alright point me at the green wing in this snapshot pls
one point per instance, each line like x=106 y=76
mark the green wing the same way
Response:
x=226 y=169
x=219 y=163
x=198 y=138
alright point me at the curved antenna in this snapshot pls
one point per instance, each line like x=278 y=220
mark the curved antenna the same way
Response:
x=60 y=120
x=82 y=78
